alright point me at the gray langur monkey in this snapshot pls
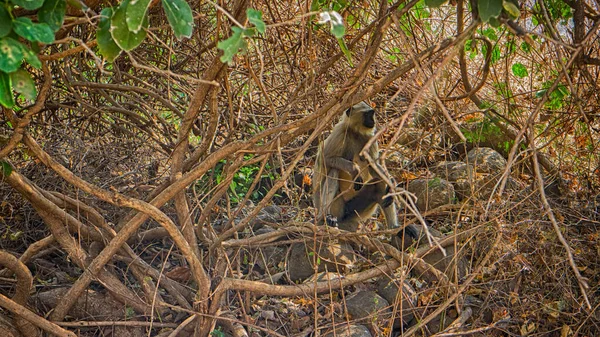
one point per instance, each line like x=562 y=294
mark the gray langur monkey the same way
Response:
x=346 y=189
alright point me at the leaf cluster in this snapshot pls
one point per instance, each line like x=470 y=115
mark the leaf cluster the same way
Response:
x=489 y=10
x=237 y=41
x=124 y=27
x=19 y=41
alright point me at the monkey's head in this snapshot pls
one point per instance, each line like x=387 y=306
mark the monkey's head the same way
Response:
x=361 y=117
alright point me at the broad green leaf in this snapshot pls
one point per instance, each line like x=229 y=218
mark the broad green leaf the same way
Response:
x=494 y=22
x=6 y=97
x=255 y=18
x=23 y=84
x=136 y=12
x=33 y=31
x=434 y=3
x=489 y=9
x=53 y=13
x=31 y=58
x=179 y=15
x=29 y=4
x=124 y=38
x=5 y=22
x=108 y=48
x=519 y=70
x=11 y=54
x=526 y=47
x=6 y=168
x=511 y=9
x=232 y=45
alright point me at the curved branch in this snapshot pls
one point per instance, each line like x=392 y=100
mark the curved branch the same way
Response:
x=24 y=285
x=25 y=313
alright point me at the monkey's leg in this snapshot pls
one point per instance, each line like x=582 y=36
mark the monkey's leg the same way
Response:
x=325 y=199
x=363 y=201
x=391 y=215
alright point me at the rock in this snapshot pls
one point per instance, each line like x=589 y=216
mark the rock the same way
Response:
x=441 y=321
x=486 y=160
x=446 y=263
x=270 y=259
x=350 y=331
x=404 y=243
x=453 y=171
x=269 y=215
x=331 y=257
x=460 y=174
x=368 y=306
x=435 y=257
x=432 y=193
x=388 y=289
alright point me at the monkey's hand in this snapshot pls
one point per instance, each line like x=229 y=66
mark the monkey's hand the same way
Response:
x=358 y=183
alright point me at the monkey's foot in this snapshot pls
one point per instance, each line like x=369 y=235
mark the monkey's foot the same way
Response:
x=387 y=202
x=331 y=220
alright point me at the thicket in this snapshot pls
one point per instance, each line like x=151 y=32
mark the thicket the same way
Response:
x=134 y=135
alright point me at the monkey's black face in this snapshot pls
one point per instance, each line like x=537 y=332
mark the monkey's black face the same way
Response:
x=369 y=119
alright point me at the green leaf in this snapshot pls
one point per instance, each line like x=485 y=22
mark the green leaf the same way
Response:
x=511 y=9
x=345 y=50
x=23 y=84
x=338 y=30
x=6 y=96
x=490 y=33
x=124 y=38
x=255 y=18
x=32 y=58
x=489 y=9
x=519 y=70
x=29 y=4
x=108 y=48
x=526 y=47
x=33 y=31
x=53 y=13
x=6 y=168
x=434 y=3
x=232 y=45
x=136 y=12
x=5 y=22
x=494 y=22
x=11 y=54
x=179 y=15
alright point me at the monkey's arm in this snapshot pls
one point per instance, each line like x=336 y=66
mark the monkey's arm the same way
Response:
x=341 y=163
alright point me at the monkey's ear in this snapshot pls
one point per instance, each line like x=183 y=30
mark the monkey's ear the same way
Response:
x=348 y=112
